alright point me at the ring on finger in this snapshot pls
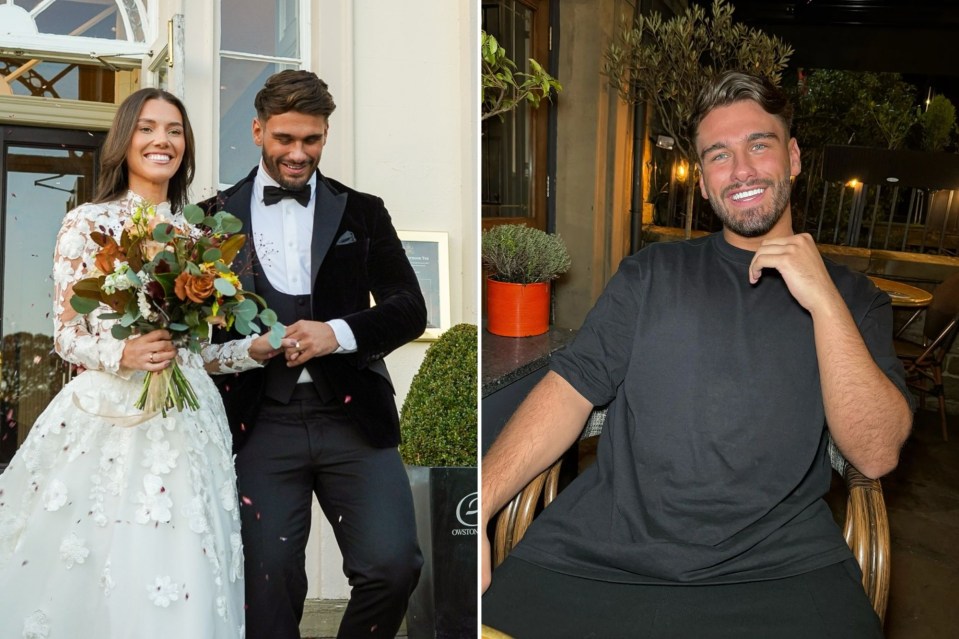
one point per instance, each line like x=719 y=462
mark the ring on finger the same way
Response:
x=152 y=361
x=296 y=344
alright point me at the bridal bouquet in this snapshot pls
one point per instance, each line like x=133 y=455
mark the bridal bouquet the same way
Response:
x=176 y=276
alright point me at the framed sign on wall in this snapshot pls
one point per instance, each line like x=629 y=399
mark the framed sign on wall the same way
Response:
x=428 y=253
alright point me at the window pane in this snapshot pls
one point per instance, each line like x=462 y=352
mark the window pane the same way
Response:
x=507 y=144
x=93 y=83
x=92 y=20
x=239 y=82
x=263 y=28
x=42 y=185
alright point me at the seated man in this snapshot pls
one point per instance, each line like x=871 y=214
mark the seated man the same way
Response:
x=724 y=359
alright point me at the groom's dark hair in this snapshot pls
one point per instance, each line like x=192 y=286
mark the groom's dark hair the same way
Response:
x=293 y=90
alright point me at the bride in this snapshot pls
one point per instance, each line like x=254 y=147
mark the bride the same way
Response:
x=112 y=523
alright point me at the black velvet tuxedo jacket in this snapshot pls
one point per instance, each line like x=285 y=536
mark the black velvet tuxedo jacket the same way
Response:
x=354 y=252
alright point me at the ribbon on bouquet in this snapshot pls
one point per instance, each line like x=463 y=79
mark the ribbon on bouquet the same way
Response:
x=124 y=421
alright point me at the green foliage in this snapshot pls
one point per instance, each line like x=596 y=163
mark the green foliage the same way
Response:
x=848 y=107
x=523 y=255
x=938 y=124
x=438 y=420
x=504 y=88
x=668 y=62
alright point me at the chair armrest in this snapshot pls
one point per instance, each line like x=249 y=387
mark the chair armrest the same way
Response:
x=517 y=515
x=866 y=531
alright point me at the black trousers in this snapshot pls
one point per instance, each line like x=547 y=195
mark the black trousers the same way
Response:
x=527 y=602
x=306 y=448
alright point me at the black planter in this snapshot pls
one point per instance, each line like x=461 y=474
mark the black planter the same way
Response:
x=444 y=603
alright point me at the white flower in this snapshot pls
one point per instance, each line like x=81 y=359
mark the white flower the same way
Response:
x=154 y=503
x=196 y=516
x=236 y=545
x=118 y=280
x=73 y=550
x=159 y=458
x=62 y=272
x=72 y=243
x=55 y=496
x=30 y=458
x=106 y=579
x=221 y=606
x=228 y=495
x=144 y=305
x=36 y=626
x=163 y=592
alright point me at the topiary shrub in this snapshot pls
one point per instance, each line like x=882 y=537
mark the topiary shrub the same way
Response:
x=438 y=419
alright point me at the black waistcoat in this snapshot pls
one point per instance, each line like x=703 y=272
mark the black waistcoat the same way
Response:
x=280 y=378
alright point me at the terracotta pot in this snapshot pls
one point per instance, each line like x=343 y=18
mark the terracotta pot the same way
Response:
x=517 y=310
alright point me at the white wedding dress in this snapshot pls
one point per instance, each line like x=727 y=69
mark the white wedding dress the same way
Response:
x=109 y=528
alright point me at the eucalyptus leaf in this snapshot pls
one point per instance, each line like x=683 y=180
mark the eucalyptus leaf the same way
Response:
x=165 y=256
x=230 y=224
x=163 y=232
x=178 y=327
x=134 y=278
x=225 y=287
x=268 y=317
x=83 y=305
x=193 y=214
x=276 y=335
x=120 y=332
x=243 y=326
x=211 y=255
x=127 y=320
x=246 y=310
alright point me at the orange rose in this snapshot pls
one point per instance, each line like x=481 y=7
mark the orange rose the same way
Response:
x=196 y=287
x=107 y=255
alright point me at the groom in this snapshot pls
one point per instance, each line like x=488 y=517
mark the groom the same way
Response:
x=321 y=420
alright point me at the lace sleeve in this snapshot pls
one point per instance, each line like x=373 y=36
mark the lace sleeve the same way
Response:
x=81 y=339
x=231 y=357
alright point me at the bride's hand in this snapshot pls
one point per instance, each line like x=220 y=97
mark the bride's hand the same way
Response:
x=261 y=350
x=152 y=351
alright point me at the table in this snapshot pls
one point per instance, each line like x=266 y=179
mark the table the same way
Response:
x=902 y=294
x=511 y=366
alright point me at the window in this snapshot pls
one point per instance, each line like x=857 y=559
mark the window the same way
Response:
x=514 y=146
x=257 y=39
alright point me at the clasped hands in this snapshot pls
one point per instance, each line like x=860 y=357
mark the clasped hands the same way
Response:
x=304 y=340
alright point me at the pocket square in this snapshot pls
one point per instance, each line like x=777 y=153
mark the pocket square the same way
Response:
x=346 y=238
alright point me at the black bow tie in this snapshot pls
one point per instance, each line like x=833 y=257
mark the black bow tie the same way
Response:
x=273 y=194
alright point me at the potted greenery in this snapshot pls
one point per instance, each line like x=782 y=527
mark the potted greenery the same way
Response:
x=438 y=426
x=521 y=261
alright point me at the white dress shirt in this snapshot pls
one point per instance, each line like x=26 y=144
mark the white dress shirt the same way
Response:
x=282 y=235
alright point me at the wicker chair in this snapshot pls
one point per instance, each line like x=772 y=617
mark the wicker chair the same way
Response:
x=866 y=527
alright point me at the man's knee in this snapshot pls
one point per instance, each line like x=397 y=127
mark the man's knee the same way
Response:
x=396 y=574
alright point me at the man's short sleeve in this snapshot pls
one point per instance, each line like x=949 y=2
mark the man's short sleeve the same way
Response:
x=596 y=361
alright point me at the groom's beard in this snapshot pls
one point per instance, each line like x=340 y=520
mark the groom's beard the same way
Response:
x=756 y=221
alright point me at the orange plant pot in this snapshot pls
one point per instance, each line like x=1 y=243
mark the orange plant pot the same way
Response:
x=517 y=310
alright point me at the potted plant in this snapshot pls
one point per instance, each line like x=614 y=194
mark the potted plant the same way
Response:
x=521 y=261
x=438 y=426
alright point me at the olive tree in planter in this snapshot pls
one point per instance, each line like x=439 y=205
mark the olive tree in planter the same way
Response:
x=438 y=426
x=521 y=262
x=667 y=63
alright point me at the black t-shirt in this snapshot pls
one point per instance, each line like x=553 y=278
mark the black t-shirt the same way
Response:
x=712 y=464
